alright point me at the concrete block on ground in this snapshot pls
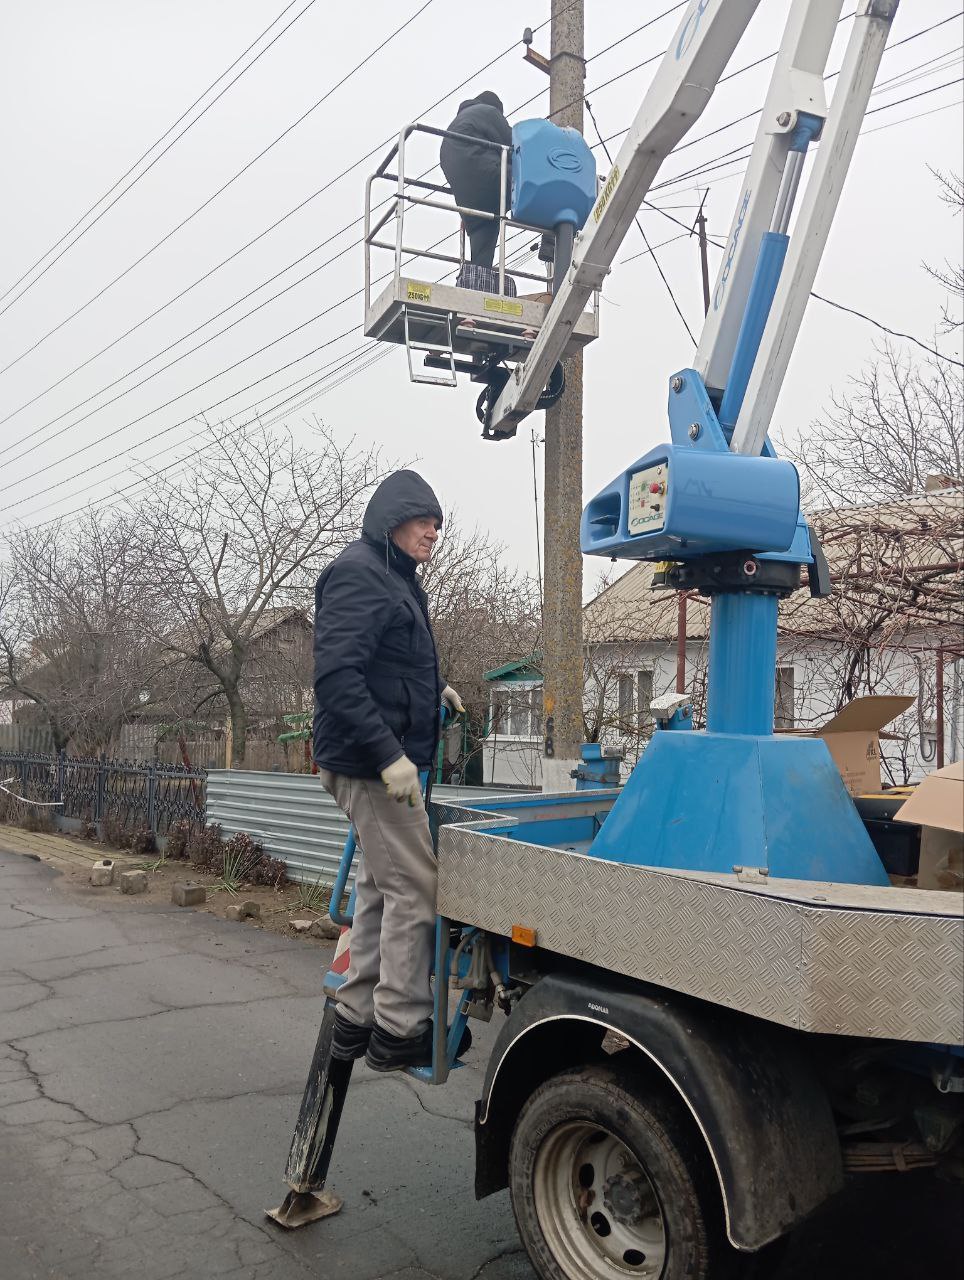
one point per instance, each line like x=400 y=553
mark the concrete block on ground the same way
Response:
x=102 y=872
x=133 y=882
x=301 y=926
x=186 y=893
x=244 y=911
x=325 y=928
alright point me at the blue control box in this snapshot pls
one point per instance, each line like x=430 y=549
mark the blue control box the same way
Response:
x=553 y=175
x=677 y=503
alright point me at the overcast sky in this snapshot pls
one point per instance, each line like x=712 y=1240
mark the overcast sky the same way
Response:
x=88 y=87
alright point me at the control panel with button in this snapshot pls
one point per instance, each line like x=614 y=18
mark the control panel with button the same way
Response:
x=647 y=499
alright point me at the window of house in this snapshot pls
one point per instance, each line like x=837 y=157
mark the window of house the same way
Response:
x=520 y=713
x=783 y=702
x=517 y=713
x=644 y=696
x=625 y=693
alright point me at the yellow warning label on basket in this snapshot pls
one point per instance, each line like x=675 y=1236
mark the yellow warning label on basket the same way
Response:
x=606 y=193
x=504 y=305
x=419 y=292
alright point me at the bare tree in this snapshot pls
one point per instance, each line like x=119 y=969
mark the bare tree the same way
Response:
x=901 y=424
x=951 y=274
x=484 y=613
x=245 y=536
x=76 y=613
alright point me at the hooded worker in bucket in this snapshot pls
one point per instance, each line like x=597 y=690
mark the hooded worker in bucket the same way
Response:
x=376 y=728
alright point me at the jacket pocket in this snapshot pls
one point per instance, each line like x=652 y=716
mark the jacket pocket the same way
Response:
x=404 y=704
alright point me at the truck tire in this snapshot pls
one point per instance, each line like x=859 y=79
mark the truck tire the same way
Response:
x=609 y=1181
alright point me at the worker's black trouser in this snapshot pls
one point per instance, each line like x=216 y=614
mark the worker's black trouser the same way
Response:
x=476 y=187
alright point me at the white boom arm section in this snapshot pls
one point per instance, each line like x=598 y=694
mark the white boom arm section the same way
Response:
x=796 y=85
x=688 y=74
x=832 y=160
x=681 y=88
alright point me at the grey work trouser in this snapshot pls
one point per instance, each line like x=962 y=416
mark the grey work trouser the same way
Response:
x=393 y=931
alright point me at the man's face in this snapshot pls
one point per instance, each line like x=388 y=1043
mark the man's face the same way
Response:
x=417 y=538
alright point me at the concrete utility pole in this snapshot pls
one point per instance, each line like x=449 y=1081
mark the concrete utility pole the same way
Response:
x=562 y=501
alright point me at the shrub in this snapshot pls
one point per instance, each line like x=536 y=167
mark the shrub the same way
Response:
x=178 y=839
x=143 y=841
x=37 y=819
x=242 y=853
x=11 y=810
x=269 y=871
x=204 y=848
x=115 y=833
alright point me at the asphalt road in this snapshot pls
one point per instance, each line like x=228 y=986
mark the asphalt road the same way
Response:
x=151 y=1066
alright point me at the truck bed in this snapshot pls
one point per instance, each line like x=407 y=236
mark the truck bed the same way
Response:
x=828 y=958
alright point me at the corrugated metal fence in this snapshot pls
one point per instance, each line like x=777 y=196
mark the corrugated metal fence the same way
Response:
x=293 y=816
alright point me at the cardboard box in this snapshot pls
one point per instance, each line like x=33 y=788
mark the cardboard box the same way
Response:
x=853 y=739
x=937 y=806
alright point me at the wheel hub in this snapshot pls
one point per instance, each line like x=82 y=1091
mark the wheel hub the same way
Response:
x=628 y=1197
x=597 y=1207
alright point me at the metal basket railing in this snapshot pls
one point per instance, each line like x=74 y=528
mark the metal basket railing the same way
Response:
x=403 y=199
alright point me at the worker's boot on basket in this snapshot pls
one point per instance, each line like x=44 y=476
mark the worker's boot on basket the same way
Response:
x=397 y=1053
x=349 y=1040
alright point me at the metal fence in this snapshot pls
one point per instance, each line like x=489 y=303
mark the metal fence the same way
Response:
x=294 y=816
x=149 y=796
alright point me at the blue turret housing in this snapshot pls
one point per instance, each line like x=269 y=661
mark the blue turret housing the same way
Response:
x=553 y=175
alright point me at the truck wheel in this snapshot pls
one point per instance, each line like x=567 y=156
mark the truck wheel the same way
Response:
x=608 y=1184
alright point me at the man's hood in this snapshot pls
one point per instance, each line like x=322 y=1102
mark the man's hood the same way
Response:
x=485 y=99
x=401 y=496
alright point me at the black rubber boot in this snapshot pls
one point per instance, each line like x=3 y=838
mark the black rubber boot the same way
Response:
x=349 y=1041
x=397 y=1053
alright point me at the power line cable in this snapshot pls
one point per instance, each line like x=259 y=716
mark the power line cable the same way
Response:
x=360 y=355
x=161 y=368
x=180 y=396
x=333 y=367
x=918 y=115
x=159 y=156
x=676 y=179
x=211 y=338
x=272 y=227
x=692 y=142
x=895 y=333
x=117 y=430
x=174 y=427
x=244 y=169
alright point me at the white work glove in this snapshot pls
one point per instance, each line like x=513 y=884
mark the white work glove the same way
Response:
x=452 y=701
x=402 y=780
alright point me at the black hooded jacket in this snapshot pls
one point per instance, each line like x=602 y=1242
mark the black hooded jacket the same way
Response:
x=479 y=117
x=377 y=687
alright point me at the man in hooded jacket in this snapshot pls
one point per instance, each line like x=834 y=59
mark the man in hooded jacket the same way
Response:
x=472 y=169
x=376 y=725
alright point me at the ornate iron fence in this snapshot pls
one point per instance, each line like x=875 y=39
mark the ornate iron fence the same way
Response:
x=138 y=796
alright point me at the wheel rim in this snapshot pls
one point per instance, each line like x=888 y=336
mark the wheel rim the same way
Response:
x=597 y=1206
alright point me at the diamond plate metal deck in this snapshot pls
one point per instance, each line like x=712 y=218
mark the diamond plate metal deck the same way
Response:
x=836 y=966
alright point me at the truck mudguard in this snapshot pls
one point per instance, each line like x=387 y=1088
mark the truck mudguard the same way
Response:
x=747 y=1084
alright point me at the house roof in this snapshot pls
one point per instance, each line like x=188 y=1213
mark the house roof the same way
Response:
x=909 y=553
x=519 y=670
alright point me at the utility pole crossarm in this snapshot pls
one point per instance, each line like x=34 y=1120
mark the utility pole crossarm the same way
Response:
x=681 y=88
